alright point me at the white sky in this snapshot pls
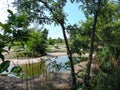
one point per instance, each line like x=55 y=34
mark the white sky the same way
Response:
x=4 y=5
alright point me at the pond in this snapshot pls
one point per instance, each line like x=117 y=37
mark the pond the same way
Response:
x=56 y=64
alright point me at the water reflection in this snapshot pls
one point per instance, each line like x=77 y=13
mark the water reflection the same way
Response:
x=35 y=69
x=56 y=64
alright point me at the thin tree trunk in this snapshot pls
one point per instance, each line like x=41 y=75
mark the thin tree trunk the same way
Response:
x=87 y=75
x=69 y=53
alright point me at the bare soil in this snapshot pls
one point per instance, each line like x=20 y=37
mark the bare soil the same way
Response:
x=54 y=81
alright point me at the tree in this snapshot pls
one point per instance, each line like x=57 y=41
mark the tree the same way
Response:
x=45 y=33
x=51 y=41
x=91 y=7
x=35 y=10
x=59 y=40
x=80 y=36
x=107 y=23
x=36 y=45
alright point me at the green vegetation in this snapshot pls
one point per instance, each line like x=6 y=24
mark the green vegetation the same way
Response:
x=99 y=36
x=105 y=46
x=55 y=41
x=36 y=45
x=32 y=70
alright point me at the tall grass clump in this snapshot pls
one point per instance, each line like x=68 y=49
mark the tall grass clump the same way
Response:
x=108 y=77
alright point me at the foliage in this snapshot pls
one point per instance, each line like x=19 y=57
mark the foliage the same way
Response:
x=17 y=70
x=36 y=10
x=51 y=41
x=45 y=34
x=36 y=46
x=80 y=36
x=106 y=45
x=13 y=30
x=59 y=40
x=4 y=66
x=108 y=32
x=54 y=41
x=107 y=80
x=34 y=69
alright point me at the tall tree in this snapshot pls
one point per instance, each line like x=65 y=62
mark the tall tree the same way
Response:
x=91 y=7
x=36 y=10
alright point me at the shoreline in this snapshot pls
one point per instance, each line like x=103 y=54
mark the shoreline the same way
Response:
x=18 y=61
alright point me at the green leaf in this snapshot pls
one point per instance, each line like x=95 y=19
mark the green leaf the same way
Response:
x=16 y=70
x=6 y=27
x=4 y=66
x=2 y=45
x=2 y=57
x=21 y=18
x=1 y=24
x=10 y=11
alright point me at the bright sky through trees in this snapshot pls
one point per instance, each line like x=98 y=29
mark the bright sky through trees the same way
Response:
x=74 y=15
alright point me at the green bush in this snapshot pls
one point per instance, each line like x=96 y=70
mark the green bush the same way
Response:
x=36 y=46
x=107 y=81
x=51 y=41
x=108 y=77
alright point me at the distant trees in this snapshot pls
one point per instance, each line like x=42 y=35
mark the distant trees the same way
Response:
x=55 y=41
x=51 y=41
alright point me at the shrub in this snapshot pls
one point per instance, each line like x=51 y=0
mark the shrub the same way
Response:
x=36 y=46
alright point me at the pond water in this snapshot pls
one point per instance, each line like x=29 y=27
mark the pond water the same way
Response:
x=56 y=64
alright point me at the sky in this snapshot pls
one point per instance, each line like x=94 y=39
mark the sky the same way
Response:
x=74 y=15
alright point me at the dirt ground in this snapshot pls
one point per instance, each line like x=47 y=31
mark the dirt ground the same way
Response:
x=53 y=81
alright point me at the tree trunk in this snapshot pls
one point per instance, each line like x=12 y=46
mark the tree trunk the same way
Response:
x=69 y=53
x=87 y=75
